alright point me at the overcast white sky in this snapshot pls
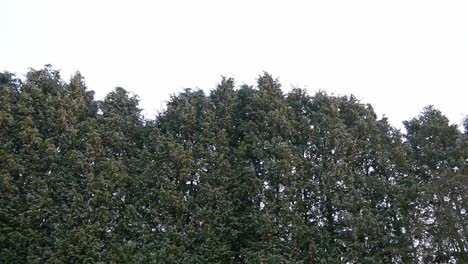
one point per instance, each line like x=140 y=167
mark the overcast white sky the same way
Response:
x=397 y=55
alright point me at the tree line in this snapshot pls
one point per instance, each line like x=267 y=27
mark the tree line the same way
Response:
x=240 y=175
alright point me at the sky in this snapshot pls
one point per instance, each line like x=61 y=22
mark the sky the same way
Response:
x=398 y=55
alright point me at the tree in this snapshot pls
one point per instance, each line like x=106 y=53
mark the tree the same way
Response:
x=439 y=163
x=349 y=165
x=241 y=175
x=12 y=240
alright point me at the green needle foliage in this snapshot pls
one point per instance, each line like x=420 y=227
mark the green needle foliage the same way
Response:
x=240 y=175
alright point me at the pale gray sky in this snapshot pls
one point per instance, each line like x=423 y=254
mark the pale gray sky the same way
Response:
x=398 y=55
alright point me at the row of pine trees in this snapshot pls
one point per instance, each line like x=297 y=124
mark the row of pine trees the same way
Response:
x=240 y=175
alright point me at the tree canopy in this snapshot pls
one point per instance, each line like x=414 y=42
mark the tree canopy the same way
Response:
x=243 y=174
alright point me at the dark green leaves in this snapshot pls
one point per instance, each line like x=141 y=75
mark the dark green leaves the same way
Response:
x=242 y=175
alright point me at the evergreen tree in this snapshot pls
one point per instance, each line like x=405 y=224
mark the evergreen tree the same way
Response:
x=245 y=175
x=49 y=152
x=12 y=240
x=188 y=140
x=439 y=163
x=123 y=158
x=349 y=166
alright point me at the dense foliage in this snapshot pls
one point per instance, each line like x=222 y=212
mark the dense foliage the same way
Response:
x=242 y=175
